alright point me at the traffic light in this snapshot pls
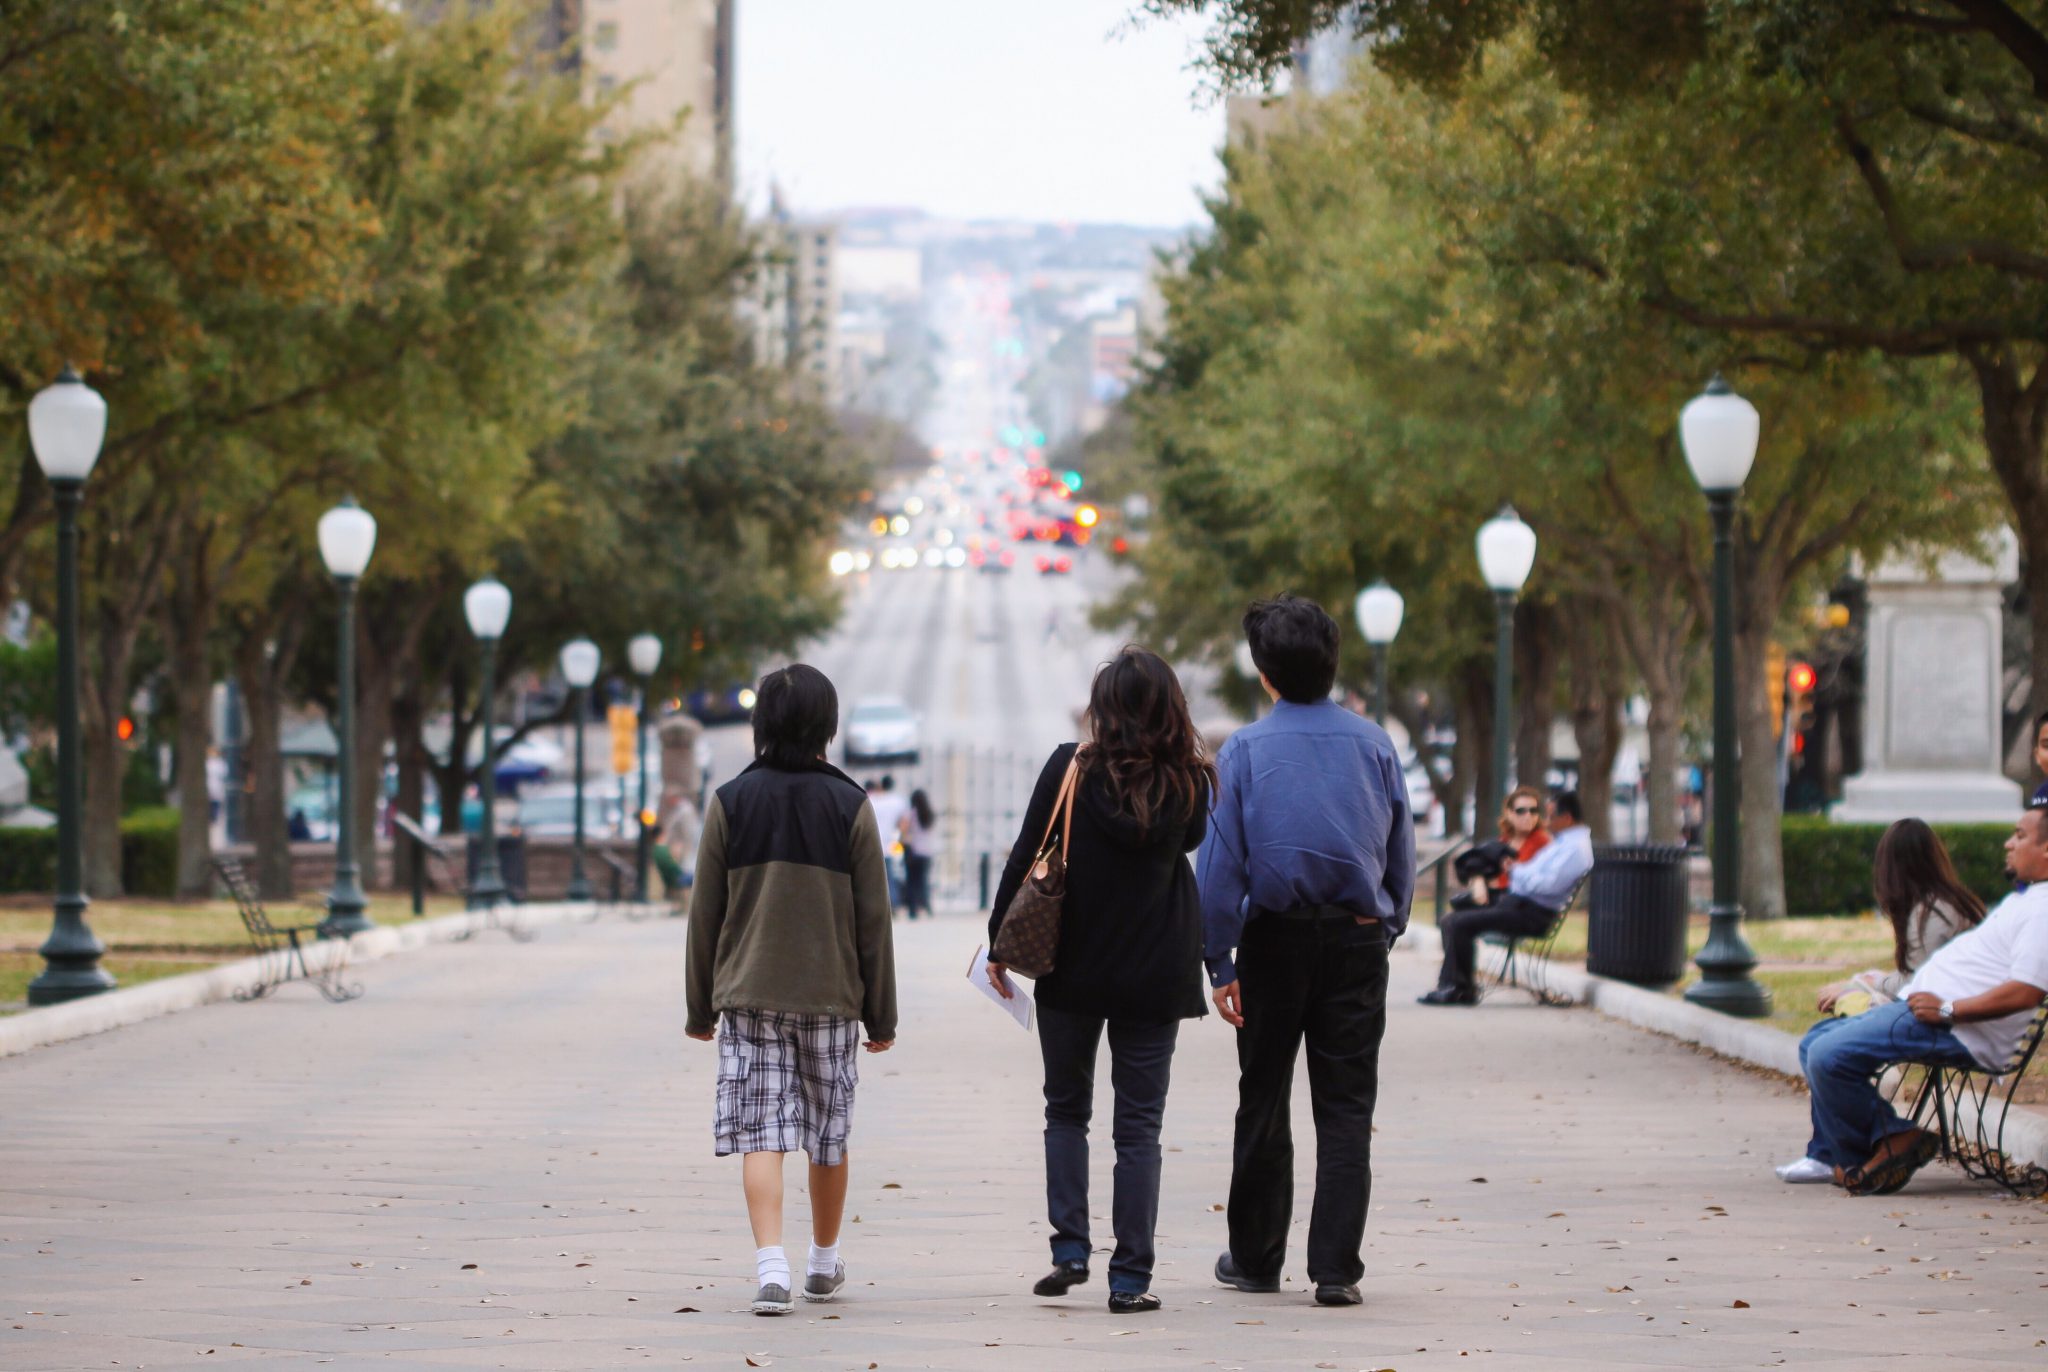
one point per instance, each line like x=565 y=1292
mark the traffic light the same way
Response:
x=625 y=726
x=1073 y=480
x=124 y=729
x=1086 y=516
x=1774 y=674
x=1800 y=679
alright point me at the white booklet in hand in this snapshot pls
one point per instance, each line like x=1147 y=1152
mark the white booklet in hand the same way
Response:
x=1018 y=1004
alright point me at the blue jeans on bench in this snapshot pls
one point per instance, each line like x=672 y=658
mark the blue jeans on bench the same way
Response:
x=1842 y=1057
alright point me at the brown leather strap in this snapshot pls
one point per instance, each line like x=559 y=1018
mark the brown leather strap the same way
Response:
x=1064 y=801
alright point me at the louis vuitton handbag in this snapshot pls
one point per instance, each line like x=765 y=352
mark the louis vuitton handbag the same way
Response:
x=1029 y=939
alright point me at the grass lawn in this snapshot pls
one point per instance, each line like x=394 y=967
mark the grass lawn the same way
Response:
x=208 y=928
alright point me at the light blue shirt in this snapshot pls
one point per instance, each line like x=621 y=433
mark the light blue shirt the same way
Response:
x=1548 y=878
x=1311 y=809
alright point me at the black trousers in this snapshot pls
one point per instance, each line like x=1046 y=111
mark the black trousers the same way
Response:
x=1140 y=1062
x=1509 y=914
x=1323 y=983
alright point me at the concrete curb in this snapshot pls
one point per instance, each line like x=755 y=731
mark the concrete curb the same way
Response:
x=117 y=1008
x=2026 y=1129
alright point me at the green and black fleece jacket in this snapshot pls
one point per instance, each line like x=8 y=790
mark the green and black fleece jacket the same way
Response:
x=790 y=910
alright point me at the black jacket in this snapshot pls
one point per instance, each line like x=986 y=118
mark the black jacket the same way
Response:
x=1131 y=929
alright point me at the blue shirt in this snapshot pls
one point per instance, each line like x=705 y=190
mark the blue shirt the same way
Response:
x=1311 y=809
x=1550 y=876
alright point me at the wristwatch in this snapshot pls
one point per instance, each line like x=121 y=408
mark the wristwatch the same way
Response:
x=1948 y=1012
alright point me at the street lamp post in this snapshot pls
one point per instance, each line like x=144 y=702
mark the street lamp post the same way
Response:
x=67 y=423
x=488 y=605
x=1718 y=429
x=348 y=535
x=644 y=655
x=580 y=660
x=1379 y=609
x=1507 y=550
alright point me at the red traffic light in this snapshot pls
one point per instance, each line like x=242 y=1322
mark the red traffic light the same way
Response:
x=124 y=729
x=1800 y=677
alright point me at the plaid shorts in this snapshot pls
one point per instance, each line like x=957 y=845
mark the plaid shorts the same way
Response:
x=785 y=1082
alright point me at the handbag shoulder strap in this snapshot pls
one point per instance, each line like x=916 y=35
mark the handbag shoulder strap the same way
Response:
x=1062 y=805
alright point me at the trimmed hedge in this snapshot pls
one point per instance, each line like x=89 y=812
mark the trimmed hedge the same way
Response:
x=1828 y=866
x=149 y=855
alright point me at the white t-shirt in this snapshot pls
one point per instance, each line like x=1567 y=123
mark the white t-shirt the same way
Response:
x=889 y=808
x=2010 y=945
x=917 y=838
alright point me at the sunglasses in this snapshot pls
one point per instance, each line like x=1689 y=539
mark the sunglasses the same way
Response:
x=1524 y=810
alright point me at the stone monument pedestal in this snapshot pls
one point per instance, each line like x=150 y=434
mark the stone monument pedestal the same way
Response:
x=1933 y=726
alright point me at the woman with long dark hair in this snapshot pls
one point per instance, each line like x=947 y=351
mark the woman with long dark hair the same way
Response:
x=1927 y=904
x=1129 y=957
x=916 y=829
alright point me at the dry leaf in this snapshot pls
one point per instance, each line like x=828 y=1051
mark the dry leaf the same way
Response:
x=1739 y=1305
x=469 y=1267
x=1614 y=1289
x=687 y=1310
x=1251 y=1321
x=1477 y=1179
x=892 y=1186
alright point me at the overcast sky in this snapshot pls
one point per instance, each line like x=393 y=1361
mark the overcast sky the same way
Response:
x=1036 y=109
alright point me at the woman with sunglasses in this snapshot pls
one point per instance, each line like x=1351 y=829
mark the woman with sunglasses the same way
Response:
x=1522 y=832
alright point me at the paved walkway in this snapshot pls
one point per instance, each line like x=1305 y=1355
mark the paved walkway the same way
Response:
x=500 y=1157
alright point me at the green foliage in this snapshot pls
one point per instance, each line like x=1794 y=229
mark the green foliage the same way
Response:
x=149 y=855
x=28 y=684
x=1828 y=866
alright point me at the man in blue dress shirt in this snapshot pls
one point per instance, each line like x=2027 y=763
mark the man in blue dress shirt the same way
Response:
x=1306 y=876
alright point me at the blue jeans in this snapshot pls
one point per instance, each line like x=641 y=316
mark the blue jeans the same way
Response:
x=1140 y=1063
x=1842 y=1057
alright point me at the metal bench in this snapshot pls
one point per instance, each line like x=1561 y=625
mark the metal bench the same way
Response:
x=1967 y=1107
x=1525 y=958
x=280 y=957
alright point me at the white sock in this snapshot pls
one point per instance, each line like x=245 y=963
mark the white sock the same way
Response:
x=771 y=1265
x=824 y=1261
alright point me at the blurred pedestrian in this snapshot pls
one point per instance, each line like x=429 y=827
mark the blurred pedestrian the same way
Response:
x=918 y=832
x=1129 y=953
x=789 y=942
x=1306 y=877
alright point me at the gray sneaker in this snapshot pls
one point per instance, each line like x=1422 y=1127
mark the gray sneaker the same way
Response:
x=773 y=1299
x=819 y=1287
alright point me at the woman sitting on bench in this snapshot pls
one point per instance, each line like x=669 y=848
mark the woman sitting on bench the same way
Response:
x=1535 y=898
x=1522 y=836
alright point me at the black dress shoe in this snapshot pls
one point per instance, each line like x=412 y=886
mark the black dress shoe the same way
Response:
x=1337 y=1293
x=1064 y=1277
x=1228 y=1274
x=1448 y=995
x=1132 y=1302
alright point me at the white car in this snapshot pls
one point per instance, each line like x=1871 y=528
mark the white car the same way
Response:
x=881 y=730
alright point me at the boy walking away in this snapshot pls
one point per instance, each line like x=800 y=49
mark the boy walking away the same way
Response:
x=789 y=943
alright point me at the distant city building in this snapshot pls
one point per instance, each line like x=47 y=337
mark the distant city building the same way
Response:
x=794 y=311
x=672 y=59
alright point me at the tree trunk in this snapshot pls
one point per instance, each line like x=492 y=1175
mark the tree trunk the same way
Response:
x=2015 y=425
x=262 y=668
x=408 y=733
x=1762 y=847
x=1474 y=700
x=1537 y=655
x=187 y=629
x=1665 y=727
x=1596 y=713
x=104 y=700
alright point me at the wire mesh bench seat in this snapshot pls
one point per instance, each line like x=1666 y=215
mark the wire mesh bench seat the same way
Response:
x=1967 y=1107
x=280 y=955
x=1524 y=963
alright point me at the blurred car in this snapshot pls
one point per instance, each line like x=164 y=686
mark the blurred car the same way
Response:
x=723 y=706
x=881 y=729
x=995 y=560
x=1054 y=566
x=550 y=810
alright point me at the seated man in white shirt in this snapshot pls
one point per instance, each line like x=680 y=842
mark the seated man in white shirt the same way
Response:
x=1536 y=895
x=1967 y=1006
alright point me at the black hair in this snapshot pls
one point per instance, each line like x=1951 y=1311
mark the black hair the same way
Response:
x=888 y=782
x=1567 y=803
x=1145 y=742
x=2039 y=720
x=796 y=713
x=1294 y=646
x=922 y=803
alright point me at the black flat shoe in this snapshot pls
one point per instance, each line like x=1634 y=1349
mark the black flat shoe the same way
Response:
x=1448 y=995
x=1337 y=1293
x=1132 y=1302
x=1227 y=1273
x=1064 y=1277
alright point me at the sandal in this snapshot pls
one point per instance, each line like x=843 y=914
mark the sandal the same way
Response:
x=1884 y=1176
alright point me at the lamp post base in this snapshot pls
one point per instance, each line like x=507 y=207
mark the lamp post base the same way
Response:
x=579 y=892
x=345 y=916
x=489 y=891
x=71 y=957
x=1725 y=964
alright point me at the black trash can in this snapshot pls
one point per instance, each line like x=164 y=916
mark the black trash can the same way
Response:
x=511 y=862
x=1636 y=912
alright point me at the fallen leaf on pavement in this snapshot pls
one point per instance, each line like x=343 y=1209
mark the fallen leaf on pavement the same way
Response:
x=1739 y=1305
